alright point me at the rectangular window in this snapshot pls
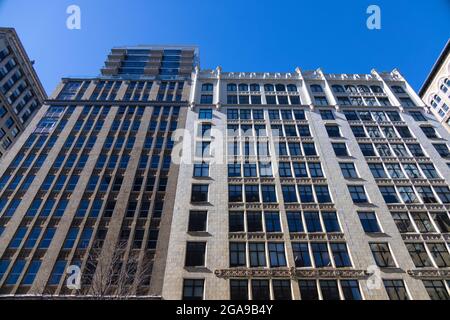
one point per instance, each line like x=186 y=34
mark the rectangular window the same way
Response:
x=257 y=251
x=282 y=289
x=197 y=221
x=301 y=254
x=260 y=290
x=199 y=193
x=358 y=194
x=236 y=222
x=308 y=289
x=238 y=254
x=382 y=255
x=396 y=289
x=348 y=170
x=195 y=254
x=239 y=289
x=193 y=289
x=369 y=222
x=340 y=149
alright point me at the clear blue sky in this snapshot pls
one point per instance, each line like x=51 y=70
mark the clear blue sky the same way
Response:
x=241 y=35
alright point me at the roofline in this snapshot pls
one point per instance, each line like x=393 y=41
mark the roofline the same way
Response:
x=437 y=65
x=22 y=50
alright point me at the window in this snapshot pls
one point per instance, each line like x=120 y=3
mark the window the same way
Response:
x=436 y=289
x=301 y=254
x=426 y=194
x=268 y=193
x=322 y=194
x=260 y=290
x=201 y=169
x=312 y=221
x=377 y=170
x=367 y=149
x=254 y=222
x=358 y=194
x=417 y=116
x=315 y=169
x=18 y=237
x=442 y=149
x=199 y=193
x=350 y=289
x=403 y=222
x=300 y=170
x=419 y=255
x=236 y=222
x=58 y=271
x=205 y=114
x=195 y=254
x=316 y=88
x=207 y=87
x=389 y=194
x=321 y=101
x=71 y=238
x=320 y=254
x=282 y=289
x=251 y=193
x=331 y=222
x=340 y=149
x=407 y=102
x=31 y=273
x=239 y=289
x=15 y=272
x=382 y=255
x=329 y=289
x=333 y=131
x=276 y=254
x=396 y=289
x=289 y=193
x=429 y=170
x=237 y=254
x=403 y=132
x=442 y=221
x=358 y=131
x=443 y=193
x=340 y=255
x=257 y=252
x=306 y=194
x=430 y=132
x=308 y=290
x=309 y=149
x=348 y=170
x=369 y=222
x=272 y=220
x=327 y=114
x=197 y=221
x=407 y=194
x=193 y=289
x=295 y=222
x=440 y=254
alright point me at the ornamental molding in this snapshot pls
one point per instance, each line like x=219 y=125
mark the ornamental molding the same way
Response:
x=429 y=273
x=292 y=273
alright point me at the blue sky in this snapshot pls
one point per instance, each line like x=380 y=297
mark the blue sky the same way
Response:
x=241 y=35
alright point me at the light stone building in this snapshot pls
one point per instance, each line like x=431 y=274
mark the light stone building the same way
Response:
x=435 y=91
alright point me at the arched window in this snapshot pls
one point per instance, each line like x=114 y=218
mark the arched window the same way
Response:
x=443 y=88
x=231 y=87
x=350 y=89
x=397 y=89
x=337 y=88
x=280 y=87
x=376 y=89
x=254 y=87
x=269 y=87
x=207 y=87
x=447 y=82
x=363 y=88
x=292 y=88
x=316 y=88
x=243 y=87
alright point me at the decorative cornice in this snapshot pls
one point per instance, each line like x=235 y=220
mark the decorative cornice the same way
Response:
x=292 y=273
x=428 y=273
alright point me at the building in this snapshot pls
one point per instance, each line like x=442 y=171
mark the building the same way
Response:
x=325 y=178
x=436 y=89
x=90 y=181
x=301 y=185
x=21 y=92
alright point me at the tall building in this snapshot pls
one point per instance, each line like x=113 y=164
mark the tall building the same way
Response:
x=21 y=92
x=300 y=185
x=90 y=182
x=435 y=91
x=307 y=185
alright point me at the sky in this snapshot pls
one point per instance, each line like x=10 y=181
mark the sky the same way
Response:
x=246 y=35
